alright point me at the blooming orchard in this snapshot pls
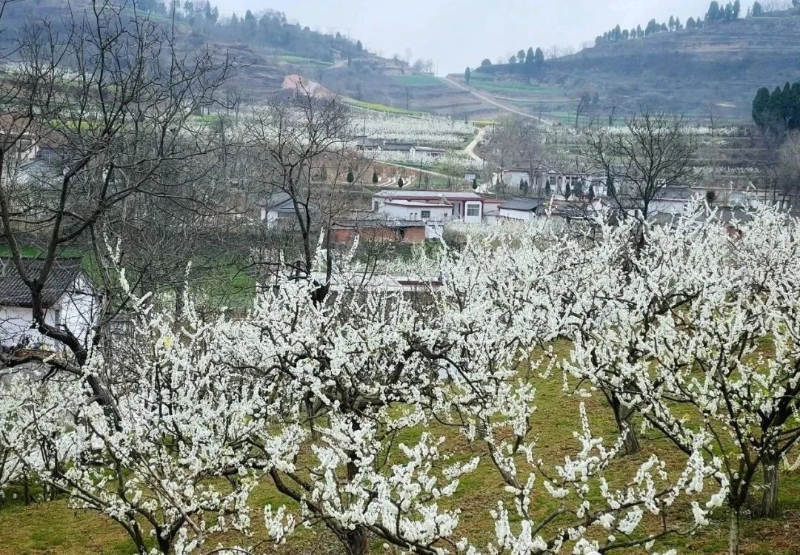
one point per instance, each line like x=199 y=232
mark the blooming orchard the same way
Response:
x=357 y=409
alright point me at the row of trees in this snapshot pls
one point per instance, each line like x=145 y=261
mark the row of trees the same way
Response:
x=365 y=411
x=618 y=34
x=730 y=12
x=526 y=63
x=268 y=27
x=778 y=111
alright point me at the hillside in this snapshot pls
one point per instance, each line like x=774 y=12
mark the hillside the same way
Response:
x=269 y=47
x=721 y=65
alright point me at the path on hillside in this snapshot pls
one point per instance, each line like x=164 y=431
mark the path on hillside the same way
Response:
x=470 y=150
x=493 y=102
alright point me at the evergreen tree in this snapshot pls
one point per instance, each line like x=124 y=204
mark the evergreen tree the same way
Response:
x=529 y=56
x=539 y=57
x=690 y=24
x=351 y=178
x=737 y=8
x=678 y=25
x=547 y=190
x=714 y=13
x=512 y=60
x=671 y=23
x=468 y=75
x=400 y=183
x=639 y=31
x=567 y=192
x=486 y=62
x=250 y=19
x=374 y=177
x=521 y=56
x=359 y=46
x=757 y=10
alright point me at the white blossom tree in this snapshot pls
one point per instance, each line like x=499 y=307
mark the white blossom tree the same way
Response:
x=711 y=312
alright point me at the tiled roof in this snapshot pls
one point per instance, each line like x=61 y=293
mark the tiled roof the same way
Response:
x=14 y=292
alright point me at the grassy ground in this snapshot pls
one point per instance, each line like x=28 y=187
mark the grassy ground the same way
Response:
x=54 y=529
x=417 y=80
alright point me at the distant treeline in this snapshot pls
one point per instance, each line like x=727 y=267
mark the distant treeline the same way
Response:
x=525 y=63
x=716 y=12
x=779 y=110
x=267 y=28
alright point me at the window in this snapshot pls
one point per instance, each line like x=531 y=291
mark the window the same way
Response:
x=57 y=317
x=473 y=210
x=426 y=214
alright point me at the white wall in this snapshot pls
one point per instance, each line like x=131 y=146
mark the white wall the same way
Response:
x=526 y=216
x=76 y=310
x=400 y=212
x=473 y=219
x=515 y=178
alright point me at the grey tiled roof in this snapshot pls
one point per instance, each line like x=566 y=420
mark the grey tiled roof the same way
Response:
x=14 y=292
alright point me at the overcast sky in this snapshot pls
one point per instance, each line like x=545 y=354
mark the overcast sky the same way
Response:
x=457 y=33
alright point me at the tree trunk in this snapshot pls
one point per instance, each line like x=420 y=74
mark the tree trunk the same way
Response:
x=733 y=538
x=769 y=501
x=624 y=419
x=355 y=541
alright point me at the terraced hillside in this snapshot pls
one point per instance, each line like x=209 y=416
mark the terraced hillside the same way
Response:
x=721 y=65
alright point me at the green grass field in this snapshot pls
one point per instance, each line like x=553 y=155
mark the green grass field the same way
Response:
x=53 y=529
x=417 y=80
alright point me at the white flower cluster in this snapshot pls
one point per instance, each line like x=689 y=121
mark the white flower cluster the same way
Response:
x=419 y=130
x=340 y=404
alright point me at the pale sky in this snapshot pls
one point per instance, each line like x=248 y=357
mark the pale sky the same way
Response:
x=457 y=33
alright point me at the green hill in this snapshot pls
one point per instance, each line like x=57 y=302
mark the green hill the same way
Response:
x=688 y=71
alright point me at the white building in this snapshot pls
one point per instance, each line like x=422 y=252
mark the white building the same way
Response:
x=524 y=209
x=68 y=299
x=434 y=207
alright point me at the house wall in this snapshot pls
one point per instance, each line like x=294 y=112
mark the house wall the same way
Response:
x=76 y=310
x=473 y=219
x=525 y=216
x=514 y=179
x=411 y=235
x=398 y=212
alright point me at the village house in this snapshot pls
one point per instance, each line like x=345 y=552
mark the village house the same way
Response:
x=278 y=212
x=379 y=230
x=524 y=209
x=414 y=152
x=434 y=207
x=68 y=300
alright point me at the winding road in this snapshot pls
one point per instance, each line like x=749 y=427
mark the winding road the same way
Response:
x=494 y=102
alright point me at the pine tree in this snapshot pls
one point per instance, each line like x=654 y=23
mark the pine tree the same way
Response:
x=714 y=13
x=529 y=57
x=400 y=183
x=567 y=192
x=351 y=177
x=757 y=10
x=359 y=46
x=737 y=8
x=547 y=190
x=467 y=75
x=539 y=57
x=374 y=177
x=671 y=23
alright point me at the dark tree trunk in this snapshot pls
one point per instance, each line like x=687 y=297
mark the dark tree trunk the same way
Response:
x=624 y=418
x=355 y=541
x=769 y=500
